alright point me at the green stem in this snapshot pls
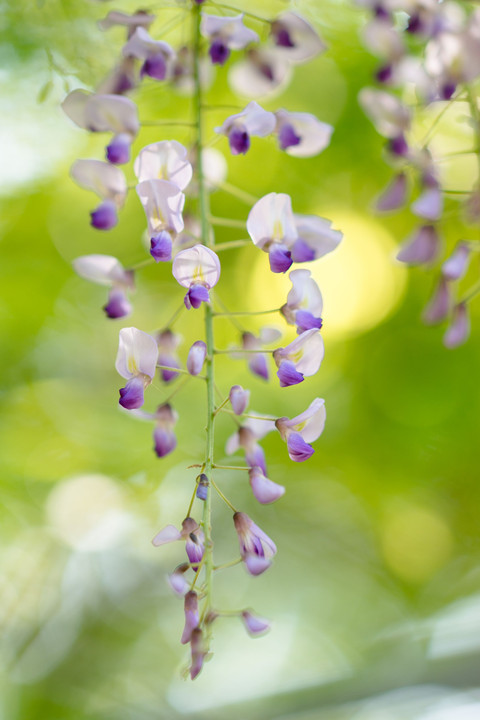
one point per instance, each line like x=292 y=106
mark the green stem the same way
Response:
x=471 y=294
x=231 y=244
x=224 y=498
x=246 y=312
x=231 y=467
x=242 y=195
x=206 y=240
x=227 y=222
x=179 y=370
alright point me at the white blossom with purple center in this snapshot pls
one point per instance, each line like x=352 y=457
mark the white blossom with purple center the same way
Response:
x=166 y=160
x=253 y=120
x=136 y=362
x=109 y=271
x=226 y=34
x=198 y=270
x=163 y=203
x=108 y=182
x=157 y=56
x=302 y=430
x=302 y=134
x=301 y=358
x=256 y=548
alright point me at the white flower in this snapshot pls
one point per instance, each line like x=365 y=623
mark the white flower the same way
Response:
x=302 y=134
x=166 y=160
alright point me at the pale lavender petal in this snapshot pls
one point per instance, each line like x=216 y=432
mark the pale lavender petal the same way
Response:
x=429 y=205
x=177 y=580
x=192 y=617
x=105 y=216
x=459 y=329
x=422 y=248
x=165 y=441
x=288 y=374
x=257 y=364
x=166 y=535
x=196 y=357
x=255 y=457
x=131 y=396
x=298 y=449
x=239 y=399
x=305 y=320
x=254 y=625
x=265 y=490
x=118 y=305
x=170 y=361
x=395 y=194
x=256 y=565
x=439 y=306
x=455 y=267
x=287 y=137
x=301 y=252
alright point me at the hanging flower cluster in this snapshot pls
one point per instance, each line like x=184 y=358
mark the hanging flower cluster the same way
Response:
x=170 y=178
x=429 y=51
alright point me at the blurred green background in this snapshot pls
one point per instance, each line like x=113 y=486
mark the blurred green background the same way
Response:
x=375 y=592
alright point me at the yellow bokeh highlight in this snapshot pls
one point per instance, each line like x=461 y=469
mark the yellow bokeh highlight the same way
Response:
x=360 y=281
x=416 y=541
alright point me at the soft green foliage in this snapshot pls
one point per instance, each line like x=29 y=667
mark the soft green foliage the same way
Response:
x=377 y=533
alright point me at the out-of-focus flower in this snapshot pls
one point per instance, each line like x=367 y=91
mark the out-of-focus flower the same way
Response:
x=390 y=116
x=163 y=203
x=157 y=56
x=257 y=361
x=108 y=182
x=166 y=160
x=265 y=490
x=247 y=437
x=315 y=238
x=262 y=72
x=455 y=267
x=423 y=247
x=193 y=535
x=296 y=38
x=131 y=22
x=165 y=419
x=302 y=430
x=177 y=580
x=304 y=302
x=107 y=270
x=302 y=134
x=254 y=624
x=199 y=650
x=459 y=328
x=192 y=617
x=256 y=548
x=225 y=34
x=439 y=305
x=198 y=269
x=167 y=345
x=254 y=120
x=239 y=399
x=300 y=359
x=196 y=357
x=395 y=194
x=136 y=362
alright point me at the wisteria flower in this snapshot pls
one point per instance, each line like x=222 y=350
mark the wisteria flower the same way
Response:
x=196 y=357
x=177 y=580
x=300 y=359
x=256 y=548
x=239 y=399
x=192 y=617
x=136 y=362
x=198 y=269
x=165 y=419
x=302 y=134
x=422 y=248
x=199 y=651
x=193 y=535
x=262 y=72
x=272 y=228
x=166 y=160
x=254 y=120
x=264 y=490
x=108 y=182
x=459 y=328
x=131 y=22
x=105 y=113
x=452 y=58
x=316 y=238
x=304 y=302
x=455 y=267
x=395 y=194
x=429 y=205
x=257 y=361
x=163 y=203
x=296 y=38
x=226 y=34
x=302 y=430
x=168 y=342
x=390 y=116
x=439 y=305
x=157 y=56
x=247 y=437
x=254 y=624
x=107 y=270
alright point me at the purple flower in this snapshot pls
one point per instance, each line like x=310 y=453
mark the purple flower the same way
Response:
x=296 y=38
x=107 y=270
x=167 y=345
x=239 y=399
x=192 y=617
x=265 y=490
x=102 y=113
x=246 y=438
x=302 y=134
x=455 y=267
x=225 y=34
x=423 y=247
x=395 y=194
x=118 y=150
x=197 y=269
x=116 y=18
x=300 y=358
x=196 y=357
x=430 y=203
x=108 y=182
x=262 y=71
x=199 y=650
x=136 y=361
x=161 y=246
x=191 y=533
x=303 y=429
x=163 y=203
x=254 y=625
x=177 y=580
x=256 y=548
x=304 y=302
x=439 y=305
x=157 y=56
x=166 y=160
x=459 y=328
x=253 y=120
x=389 y=115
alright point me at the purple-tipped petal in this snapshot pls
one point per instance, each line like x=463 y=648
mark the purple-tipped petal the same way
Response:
x=301 y=252
x=202 y=487
x=455 y=267
x=195 y=296
x=459 y=328
x=257 y=364
x=118 y=150
x=265 y=491
x=398 y=146
x=298 y=449
x=395 y=194
x=164 y=440
x=430 y=204
x=194 y=547
x=161 y=247
x=118 y=305
x=280 y=258
x=305 y=320
x=422 y=248
x=239 y=140
x=131 y=396
x=105 y=216
x=255 y=457
x=281 y=36
x=288 y=374
x=239 y=399
x=219 y=52
x=287 y=137
x=255 y=564
x=177 y=580
x=155 y=67
x=254 y=625
x=439 y=306
x=196 y=357
x=192 y=617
